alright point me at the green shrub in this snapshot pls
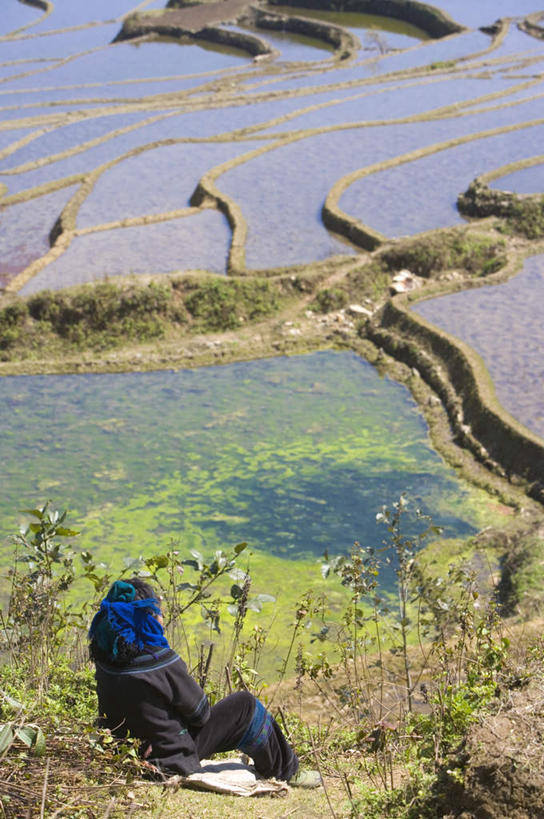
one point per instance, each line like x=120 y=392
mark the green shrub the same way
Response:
x=328 y=300
x=12 y=320
x=526 y=217
x=476 y=253
x=220 y=304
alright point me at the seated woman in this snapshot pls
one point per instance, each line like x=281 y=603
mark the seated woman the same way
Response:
x=145 y=690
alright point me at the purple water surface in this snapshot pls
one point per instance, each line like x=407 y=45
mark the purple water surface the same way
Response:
x=504 y=324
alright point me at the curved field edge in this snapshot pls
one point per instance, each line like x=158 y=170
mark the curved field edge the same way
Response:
x=458 y=375
x=183 y=19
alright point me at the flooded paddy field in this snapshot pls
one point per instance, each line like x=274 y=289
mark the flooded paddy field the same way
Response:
x=206 y=458
x=201 y=92
x=140 y=249
x=526 y=180
x=404 y=200
x=514 y=313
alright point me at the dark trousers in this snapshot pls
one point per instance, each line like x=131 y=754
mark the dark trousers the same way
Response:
x=240 y=721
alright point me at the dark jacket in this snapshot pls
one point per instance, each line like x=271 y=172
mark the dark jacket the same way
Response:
x=155 y=699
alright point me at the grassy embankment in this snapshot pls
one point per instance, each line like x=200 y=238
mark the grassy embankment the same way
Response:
x=384 y=722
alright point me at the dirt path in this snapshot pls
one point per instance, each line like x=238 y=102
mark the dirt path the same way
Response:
x=194 y=18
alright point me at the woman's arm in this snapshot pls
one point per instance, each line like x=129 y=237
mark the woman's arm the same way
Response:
x=188 y=697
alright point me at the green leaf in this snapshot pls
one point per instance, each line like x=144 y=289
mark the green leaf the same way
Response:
x=15 y=704
x=239 y=548
x=186 y=586
x=220 y=558
x=27 y=734
x=62 y=531
x=132 y=562
x=157 y=561
x=192 y=563
x=239 y=575
x=37 y=513
x=39 y=743
x=236 y=591
x=6 y=736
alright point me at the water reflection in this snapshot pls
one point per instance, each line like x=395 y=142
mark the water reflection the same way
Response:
x=63 y=44
x=24 y=231
x=156 y=181
x=158 y=90
x=485 y=12
x=408 y=199
x=290 y=46
x=394 y=103
x=190 y=243
x=75 y=135
x=375 y=33
x=526 y=180
x=15 y=15
x=504 y=325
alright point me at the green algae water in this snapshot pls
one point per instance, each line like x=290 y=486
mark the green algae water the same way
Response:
x=294 y=455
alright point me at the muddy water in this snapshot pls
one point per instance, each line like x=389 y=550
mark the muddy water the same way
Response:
x=223 y=465
x=375 y=33
x=290 y=46
x=504 y=325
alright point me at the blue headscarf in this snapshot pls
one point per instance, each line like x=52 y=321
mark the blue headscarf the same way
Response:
x=120 y=615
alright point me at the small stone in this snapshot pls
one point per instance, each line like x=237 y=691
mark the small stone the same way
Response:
x=403 y=282
x=358 y=311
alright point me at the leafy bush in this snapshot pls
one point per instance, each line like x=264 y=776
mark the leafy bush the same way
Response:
x=329 y=299
x=220 y=304
x=476 y=253
x=526 y=217
x=12 y=321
